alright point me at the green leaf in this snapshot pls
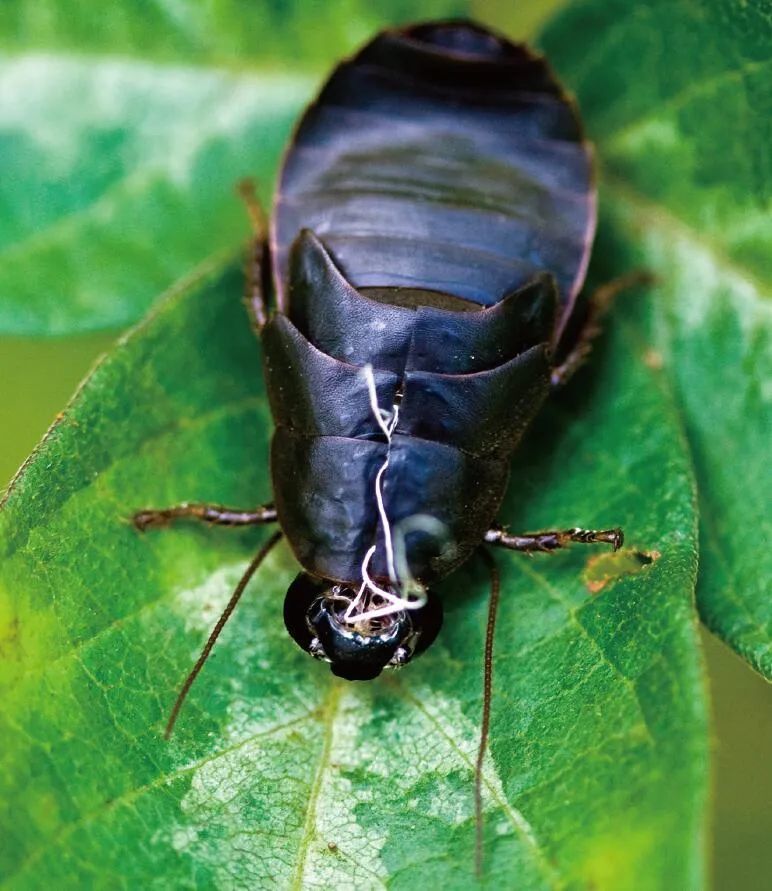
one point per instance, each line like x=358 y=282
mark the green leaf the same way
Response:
x=229 y=33
x=280 y=775
x=683 y=138
x=122 y=177
x=123 y=134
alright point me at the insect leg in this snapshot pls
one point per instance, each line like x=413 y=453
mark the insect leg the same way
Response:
x=207 y=513
x=597 y=306
x=257 y=257
x=551 y=541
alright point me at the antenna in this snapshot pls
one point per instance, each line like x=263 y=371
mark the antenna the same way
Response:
x=226 y=614
x=493 y=605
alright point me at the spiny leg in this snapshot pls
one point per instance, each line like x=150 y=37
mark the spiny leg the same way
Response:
x=214 y=514
x=490 y=628
x=226 y=614
x=551 y=541
x=258 y=255
x=598 y=305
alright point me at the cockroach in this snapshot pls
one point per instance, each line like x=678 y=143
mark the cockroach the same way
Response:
x=415 y=294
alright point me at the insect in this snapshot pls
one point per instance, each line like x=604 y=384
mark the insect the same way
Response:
x=416 y=299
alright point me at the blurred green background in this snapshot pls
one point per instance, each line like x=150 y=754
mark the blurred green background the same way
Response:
x=38 y=376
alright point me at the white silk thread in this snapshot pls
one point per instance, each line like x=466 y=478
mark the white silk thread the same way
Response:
x=387 y=421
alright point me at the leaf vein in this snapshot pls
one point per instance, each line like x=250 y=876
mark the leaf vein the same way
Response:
x=518 y=820
x=167 y=779
x=329 y=714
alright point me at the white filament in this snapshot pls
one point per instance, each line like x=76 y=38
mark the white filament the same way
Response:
x=416 y=595
x=387 y=421
x=417 y=523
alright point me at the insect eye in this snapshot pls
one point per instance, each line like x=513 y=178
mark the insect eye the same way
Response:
x=300 y=595
x=316 y=649
x=401 y=657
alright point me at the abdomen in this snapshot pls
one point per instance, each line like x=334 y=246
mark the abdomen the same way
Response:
x=441 y=157
x=447 y=192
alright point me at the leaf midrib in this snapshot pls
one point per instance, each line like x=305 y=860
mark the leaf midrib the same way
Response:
x=330 y=710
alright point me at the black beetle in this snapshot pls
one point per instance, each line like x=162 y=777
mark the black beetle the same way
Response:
x=431 y=231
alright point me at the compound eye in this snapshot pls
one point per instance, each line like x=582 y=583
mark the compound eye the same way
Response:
x=316 y=649
x=303 y=591
x=401 y=657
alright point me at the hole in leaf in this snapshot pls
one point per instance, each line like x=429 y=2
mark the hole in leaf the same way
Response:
x=605 y=568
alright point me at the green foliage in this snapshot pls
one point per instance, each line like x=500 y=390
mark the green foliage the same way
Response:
x=683 y=139
x=120 y=178
x=122 y=138
x=124 y=129
x=229 y=33
x=598 y=754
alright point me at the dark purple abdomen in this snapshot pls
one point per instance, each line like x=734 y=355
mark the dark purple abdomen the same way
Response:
x=448 y=193
x=441 y=157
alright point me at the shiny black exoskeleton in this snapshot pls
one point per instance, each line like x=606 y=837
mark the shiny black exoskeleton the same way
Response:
x=415 y=298
x=432 y=220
